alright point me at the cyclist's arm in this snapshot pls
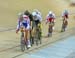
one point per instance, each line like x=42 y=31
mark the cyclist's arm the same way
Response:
x=54 y=17
x=47 y=19
x=18 y=26
x=40 y=18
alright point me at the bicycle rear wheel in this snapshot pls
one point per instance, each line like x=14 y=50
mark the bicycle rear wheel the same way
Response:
x=50 y=31
x=38 y=36
x=63 y=27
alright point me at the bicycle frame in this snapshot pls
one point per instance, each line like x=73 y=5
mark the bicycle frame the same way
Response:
x=23 y=42
x=64 y=25
x=50 y=29
x=37 y=35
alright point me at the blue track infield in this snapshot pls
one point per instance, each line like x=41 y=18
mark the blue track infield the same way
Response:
x=60 y=49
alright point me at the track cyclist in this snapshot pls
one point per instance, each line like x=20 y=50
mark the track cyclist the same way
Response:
x=31 y=21
x=65 y=16
x=50 y=18
x=37 y=19
x=24 y=22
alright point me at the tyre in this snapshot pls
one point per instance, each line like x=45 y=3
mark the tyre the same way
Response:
x=50 y=31
x=22 y=42
x=22 y=45
x=64 y=26
x=39 y=37
x=36 y=38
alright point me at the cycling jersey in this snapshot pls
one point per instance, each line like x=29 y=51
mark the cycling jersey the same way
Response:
x=50 y=18
x=25 y=22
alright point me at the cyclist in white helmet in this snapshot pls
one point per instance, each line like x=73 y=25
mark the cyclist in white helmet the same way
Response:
x=36 y=18
x=65 y=16
x=51 y=20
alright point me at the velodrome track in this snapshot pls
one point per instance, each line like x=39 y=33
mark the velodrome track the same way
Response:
x=11 y=46
x=9 y=40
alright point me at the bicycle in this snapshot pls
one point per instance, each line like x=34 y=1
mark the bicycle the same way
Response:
x=64 y=25
x=23 y=42
x=50 y=29
x=37 y=34
x=31 y=38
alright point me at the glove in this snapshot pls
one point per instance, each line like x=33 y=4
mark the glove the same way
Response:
x=17 y=30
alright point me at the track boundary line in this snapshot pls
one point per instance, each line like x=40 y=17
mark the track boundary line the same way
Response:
x=41 y=46
x=19 y=45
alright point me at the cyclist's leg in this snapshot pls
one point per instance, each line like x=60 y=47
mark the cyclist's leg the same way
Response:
x=34 y=28
x=31 y=37
x=33 y=32
x=22 y=38
x=40 y=33
x=66 y=23
x=40 y=28
x=50 y=29
x=27 y=40
x=53 y=24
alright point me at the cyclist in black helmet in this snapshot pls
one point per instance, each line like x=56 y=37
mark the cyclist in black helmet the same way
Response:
x=31 y=20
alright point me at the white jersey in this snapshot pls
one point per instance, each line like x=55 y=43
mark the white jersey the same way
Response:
x=38 y=16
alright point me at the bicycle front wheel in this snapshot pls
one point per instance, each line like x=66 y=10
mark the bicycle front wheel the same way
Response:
x=22 y=43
